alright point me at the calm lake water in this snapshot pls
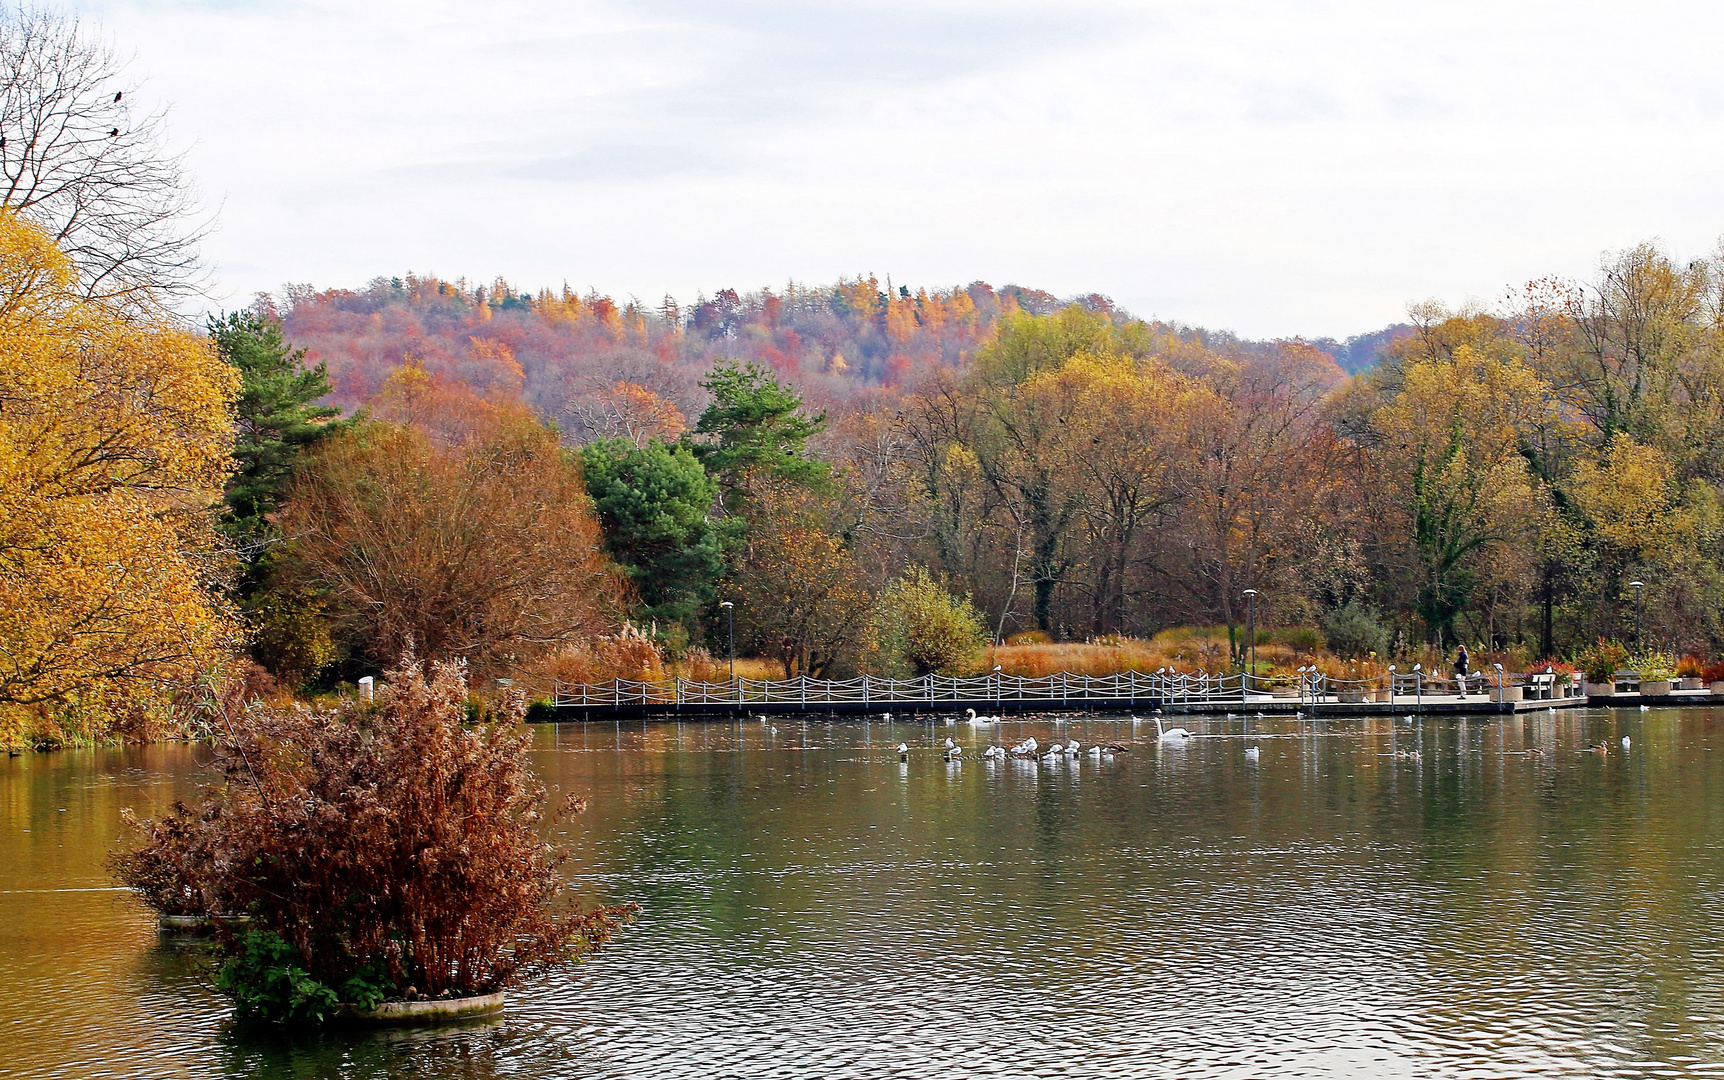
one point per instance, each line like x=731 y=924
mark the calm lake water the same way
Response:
x=814 y=908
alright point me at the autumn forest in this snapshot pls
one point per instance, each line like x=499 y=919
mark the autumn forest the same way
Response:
x=861 y=476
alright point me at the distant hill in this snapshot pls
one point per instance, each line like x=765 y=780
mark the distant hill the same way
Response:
x=1361 y=351
x=857 y=336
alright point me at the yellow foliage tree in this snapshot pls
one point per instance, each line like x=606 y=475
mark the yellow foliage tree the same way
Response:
x=115 y=439
x=1449 y=452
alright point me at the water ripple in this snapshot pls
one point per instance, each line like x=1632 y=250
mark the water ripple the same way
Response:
x=1366 y=898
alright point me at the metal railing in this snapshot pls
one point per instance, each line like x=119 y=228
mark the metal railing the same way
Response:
x=1167 y=687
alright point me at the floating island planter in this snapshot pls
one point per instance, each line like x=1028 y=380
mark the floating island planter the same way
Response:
x=380 y=862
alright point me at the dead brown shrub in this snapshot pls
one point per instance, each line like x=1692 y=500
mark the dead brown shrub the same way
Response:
x=387 y=838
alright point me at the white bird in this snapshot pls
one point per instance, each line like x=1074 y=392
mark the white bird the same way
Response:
x=974 y=719
x=885 y=716
x=1095 y=751
x=1072 y=747
x=903 y=752
x=1625 y=742
x=991 y=753
x=1167 y=734
x=1251 y=754
x=954 y=752
x=1646 y=708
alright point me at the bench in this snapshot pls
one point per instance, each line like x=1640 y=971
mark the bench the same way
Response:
x=1539 y=688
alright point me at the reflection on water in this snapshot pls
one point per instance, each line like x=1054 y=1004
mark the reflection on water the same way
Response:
x=1482 y=897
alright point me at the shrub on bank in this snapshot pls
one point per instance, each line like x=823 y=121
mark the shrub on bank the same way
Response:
x=918 y=627
x=381 y=852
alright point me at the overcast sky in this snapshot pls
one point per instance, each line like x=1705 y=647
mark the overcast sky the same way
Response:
x=1275 y=168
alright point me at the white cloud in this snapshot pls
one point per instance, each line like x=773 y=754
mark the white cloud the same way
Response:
x=1274 y=168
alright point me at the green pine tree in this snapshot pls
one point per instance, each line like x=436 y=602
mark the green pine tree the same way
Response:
x=760 y=429
x=277 y=421
x=653 y=503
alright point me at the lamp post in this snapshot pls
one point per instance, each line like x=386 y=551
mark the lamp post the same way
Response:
x=1637 y=586
x=1250 y=635
x=730 y=617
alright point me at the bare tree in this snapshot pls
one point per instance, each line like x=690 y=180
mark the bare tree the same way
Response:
x=76 y=160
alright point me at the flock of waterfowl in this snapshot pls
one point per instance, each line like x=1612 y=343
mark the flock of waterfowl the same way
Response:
x=1031 y=749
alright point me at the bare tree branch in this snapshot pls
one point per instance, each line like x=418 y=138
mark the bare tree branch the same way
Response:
x=75 y=160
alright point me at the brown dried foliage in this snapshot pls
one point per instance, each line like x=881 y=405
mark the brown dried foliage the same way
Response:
x=483 y=548
x=391 y=836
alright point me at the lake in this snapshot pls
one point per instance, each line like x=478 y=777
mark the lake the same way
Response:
x=812 y=907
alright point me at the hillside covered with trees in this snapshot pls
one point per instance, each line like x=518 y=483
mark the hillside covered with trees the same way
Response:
x=1495 y=477
x=864 y=477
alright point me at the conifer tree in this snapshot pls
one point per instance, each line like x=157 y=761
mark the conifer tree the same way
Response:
x=277 y=420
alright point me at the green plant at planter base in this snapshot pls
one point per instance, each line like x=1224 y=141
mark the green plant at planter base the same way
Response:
x=265 y=978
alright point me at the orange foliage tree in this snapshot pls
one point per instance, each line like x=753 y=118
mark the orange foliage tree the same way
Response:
x=467 y=536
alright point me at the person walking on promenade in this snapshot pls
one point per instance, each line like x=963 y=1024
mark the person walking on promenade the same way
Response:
x=1462 y=660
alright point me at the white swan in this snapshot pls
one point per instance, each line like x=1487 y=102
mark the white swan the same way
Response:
x=1251 y=754
x=1167 y=734
x=974 y=719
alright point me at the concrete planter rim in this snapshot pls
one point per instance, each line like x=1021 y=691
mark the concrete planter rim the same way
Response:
x=441 y=1011
x=1655 y=688
x=197 y=924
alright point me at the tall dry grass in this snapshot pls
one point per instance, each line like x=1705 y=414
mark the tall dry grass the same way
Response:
x=699 y=666
x=628 y=654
